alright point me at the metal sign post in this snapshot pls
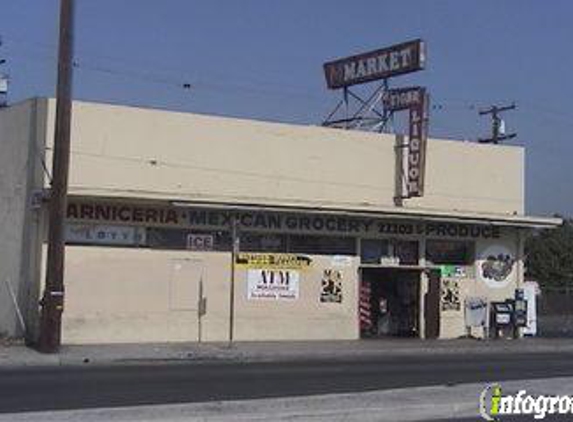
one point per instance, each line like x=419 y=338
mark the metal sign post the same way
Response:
x=235 y=247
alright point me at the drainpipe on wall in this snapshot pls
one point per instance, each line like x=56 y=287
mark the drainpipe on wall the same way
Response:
x=520 y=270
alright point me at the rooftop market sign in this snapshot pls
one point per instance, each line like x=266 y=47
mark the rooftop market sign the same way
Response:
x=378 y=64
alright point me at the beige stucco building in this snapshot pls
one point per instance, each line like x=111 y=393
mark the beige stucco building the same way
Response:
x=322 y=249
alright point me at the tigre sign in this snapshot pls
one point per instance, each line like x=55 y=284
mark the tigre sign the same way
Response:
x=397 y=99
x=379 y=64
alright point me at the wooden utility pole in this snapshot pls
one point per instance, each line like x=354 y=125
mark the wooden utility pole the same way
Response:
x=53 y=298
x=497 y=132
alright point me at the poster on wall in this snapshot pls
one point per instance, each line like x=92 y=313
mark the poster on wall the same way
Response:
x=496 y=266
x=450 y=295
x=331 y=286
x=272 y=284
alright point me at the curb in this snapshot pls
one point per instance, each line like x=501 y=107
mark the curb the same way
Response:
x=20 y=356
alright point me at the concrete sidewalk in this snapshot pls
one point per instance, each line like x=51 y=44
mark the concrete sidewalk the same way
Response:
x=17 y=355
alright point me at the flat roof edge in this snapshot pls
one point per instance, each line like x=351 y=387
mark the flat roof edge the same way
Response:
x=393 y=213
x=468 y=218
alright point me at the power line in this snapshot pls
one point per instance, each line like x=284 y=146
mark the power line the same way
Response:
x=191 y=84
x=442 y=104
x=445 y=105
x=185 y=83
x=79 y=56
x=497 y=124
x=180 y=83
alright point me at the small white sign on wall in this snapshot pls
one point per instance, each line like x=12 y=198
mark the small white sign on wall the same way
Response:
x=272 y=284
x=341 y=261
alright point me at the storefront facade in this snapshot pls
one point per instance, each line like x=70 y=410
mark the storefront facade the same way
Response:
x=298 y=274
x=197 y=228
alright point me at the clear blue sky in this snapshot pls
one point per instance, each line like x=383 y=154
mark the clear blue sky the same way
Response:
x=263 y=59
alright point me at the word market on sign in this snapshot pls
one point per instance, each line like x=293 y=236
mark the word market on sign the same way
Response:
x=379 y=64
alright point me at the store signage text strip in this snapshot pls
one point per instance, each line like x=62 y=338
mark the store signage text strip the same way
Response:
x=269 y=221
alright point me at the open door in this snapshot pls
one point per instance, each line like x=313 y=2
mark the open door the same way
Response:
x=389 y=302
x=432 y=306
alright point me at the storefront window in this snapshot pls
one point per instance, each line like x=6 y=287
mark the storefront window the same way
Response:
x=322 y=245
x=104 y=235
x=445 y=252
x=257 y=242
x=372 y=250
x=160 y=238
x=407 y=252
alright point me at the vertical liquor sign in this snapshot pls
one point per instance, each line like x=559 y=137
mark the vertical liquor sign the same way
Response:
x=416 y=101
x=417 y=146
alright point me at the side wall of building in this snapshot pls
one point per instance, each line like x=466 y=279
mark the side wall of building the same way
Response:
x=22 y=130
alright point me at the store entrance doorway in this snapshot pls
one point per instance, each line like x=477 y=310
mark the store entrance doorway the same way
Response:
x=389 y=302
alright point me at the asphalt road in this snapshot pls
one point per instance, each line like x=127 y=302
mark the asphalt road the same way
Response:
x=54 y=388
